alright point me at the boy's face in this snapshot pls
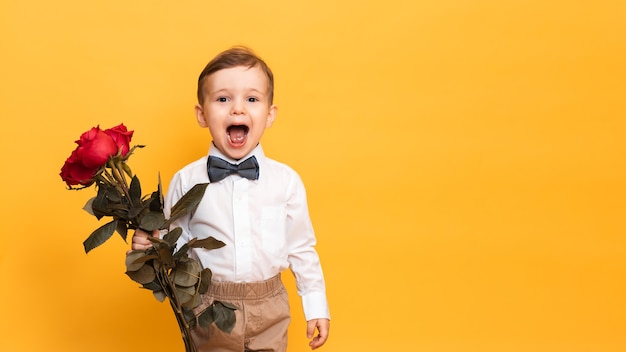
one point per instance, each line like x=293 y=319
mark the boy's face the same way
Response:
x=236 y=109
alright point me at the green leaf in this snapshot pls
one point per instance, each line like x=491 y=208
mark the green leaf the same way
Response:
x=135 y=190
x=160 y=190
x=144 y=275
x=107 y=201
x=99 y=204
x=224 y=317
x=206 y=317
x=152 y=221
x=144 y=258
x=99 y=236
x=192 y=241
x=185 y=294
x=89 y=206
x=156 y=199
x=186 y=273
x=155 y=202
x=172 y=236
x=153 y=286
x=159 y=295
x=182 y=252
x=166 y=258
x=190 y=317
x=156 y=241
x=122 y=228
x=205 y=280
x=196 y=301
x=113 y=194
x=133 y=262
x=229 y=305
x=188 y=202
x=135 y=210
x=208 y=243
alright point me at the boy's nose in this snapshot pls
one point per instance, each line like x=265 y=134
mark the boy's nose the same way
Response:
x=238 y=108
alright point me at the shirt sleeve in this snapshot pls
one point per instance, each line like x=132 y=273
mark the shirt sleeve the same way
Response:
x=303 y=259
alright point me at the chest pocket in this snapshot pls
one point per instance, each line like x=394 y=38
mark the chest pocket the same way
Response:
x=273 y=221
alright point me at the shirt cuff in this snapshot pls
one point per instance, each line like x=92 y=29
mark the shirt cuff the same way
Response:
x=315 y=306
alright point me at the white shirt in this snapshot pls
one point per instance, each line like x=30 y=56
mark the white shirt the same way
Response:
x=265 y=224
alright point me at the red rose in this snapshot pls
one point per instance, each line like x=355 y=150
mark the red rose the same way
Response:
x=74 y=172
x=122 y=137
x=95 y=147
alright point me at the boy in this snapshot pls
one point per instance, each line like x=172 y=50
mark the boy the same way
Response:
x=261 y=213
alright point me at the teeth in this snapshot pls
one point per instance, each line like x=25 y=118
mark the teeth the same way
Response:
x=237 y=133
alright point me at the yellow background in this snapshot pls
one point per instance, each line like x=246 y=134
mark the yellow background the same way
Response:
x=464 y=161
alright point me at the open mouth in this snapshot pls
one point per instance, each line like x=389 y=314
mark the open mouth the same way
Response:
x=237 y=134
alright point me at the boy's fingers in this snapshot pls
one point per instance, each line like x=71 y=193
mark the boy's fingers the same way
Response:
x=140 y=240
x=322 y=325
x=310 y=328
x=318 y=341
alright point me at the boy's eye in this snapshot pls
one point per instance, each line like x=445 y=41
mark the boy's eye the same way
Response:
x=252 y=99
x=222 y=99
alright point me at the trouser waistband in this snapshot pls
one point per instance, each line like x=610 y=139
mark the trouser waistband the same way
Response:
x=220 y=290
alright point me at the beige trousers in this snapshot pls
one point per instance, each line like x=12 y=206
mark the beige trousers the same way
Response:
x=262 y=318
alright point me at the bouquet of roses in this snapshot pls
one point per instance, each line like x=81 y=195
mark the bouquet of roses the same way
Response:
x=101 y=159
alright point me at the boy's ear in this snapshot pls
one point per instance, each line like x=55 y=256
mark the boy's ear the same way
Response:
x=271 y=116
x=200 y=116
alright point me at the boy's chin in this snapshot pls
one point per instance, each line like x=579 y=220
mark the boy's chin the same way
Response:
x=235 y=152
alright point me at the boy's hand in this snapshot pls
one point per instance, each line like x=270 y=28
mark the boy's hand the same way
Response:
x=322 y=325
x=141 y=241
